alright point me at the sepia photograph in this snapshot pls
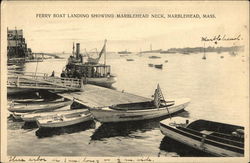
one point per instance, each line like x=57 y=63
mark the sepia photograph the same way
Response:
x=123 y=81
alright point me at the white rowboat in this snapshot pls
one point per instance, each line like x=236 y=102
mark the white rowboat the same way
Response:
x=64 y=120
x=113 y=114
x=32 y=117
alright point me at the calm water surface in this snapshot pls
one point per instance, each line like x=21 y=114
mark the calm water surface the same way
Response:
x=218 y=89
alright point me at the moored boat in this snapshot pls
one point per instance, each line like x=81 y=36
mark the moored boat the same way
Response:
x=64 y=120
x=32 y=117
x=154 y=57
x=91 y=71
x=216 y=138
x=124 y=52
x=17 y=116
x=139 y=111
x=41 y=106
x=151 y=65
x=28 y=100
x=130 y=59
x=159 y=66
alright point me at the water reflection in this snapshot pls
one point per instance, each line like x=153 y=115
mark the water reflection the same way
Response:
x=49 y=132
x=124 y=129
x=169 y=145
x=29 y=125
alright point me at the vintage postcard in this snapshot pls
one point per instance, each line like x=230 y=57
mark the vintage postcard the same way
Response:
x=123 y=81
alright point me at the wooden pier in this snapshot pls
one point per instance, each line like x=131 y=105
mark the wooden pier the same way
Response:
x=90 y=95
x=33 y=81
x=96 y=96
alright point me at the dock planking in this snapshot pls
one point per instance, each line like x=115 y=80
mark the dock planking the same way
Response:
x=96 y=96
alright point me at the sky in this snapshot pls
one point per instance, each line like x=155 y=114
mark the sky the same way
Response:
x=134 y=34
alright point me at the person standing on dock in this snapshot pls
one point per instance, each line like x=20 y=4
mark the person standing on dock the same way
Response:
x=53 y=74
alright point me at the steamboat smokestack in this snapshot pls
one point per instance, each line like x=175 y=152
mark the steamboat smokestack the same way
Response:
x=77 y=50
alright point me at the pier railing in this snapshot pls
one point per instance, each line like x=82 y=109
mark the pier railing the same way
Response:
x=42 y=81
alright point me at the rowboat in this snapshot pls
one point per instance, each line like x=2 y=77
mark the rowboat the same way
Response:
x=17 y=116
x=216 y=138
x=154 y=57
x=159 y=66
x=140 y=110
x=28 y=100
x=151 y=65
x=130 y=59
x=41 y=106
x=64 y=120
x=32 y=117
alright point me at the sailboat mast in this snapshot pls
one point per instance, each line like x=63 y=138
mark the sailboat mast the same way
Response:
x=204 y=49
x=105 y=53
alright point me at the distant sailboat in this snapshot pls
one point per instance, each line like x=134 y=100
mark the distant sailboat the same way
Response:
x=204 y=56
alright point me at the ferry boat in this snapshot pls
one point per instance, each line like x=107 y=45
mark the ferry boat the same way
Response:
x=216 y=138
x=92 y=72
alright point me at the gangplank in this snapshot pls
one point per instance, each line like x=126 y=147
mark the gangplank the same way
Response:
x=27 y=81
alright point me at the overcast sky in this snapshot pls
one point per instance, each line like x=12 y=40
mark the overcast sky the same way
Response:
x=58 y=34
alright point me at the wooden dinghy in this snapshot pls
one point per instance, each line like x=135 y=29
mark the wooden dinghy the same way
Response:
x=41 y=106
x=141 y=110
x=28 y=100
x=32 y=117
x=64 y=120
x=219 y=139
x=17 y=116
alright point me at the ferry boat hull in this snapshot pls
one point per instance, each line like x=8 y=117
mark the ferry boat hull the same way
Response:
x=104 y=82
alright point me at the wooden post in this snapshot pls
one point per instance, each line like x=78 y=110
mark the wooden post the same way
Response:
x=81 y=84
x=17 y=82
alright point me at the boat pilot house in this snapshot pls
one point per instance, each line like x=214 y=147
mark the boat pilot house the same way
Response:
x=87 y=70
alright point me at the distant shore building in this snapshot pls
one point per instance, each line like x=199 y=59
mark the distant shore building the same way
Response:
x=17 y=47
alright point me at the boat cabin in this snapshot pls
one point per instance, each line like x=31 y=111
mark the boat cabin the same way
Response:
x=79 y=70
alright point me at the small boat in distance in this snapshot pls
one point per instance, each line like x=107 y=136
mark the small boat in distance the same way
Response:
x=64 y=120
x=151 y=65
x=159 y=66
x=219 y=139
x=204 y=55
x=158 y=107
x=221 y=56
x=154 y=57
x=130 y=59
x=124 y=52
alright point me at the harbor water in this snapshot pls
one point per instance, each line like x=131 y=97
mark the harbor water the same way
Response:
x=217 y=87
